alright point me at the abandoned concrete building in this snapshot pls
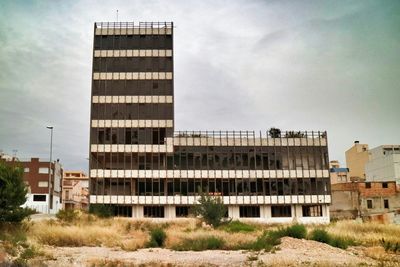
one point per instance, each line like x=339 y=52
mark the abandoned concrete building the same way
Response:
x=366 y=200
x=143 y=168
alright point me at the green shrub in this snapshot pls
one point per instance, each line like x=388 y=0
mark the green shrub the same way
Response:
x=266 y=241
x=210 y=208
x=323 y=236
x=101 y=210
x=67 y=215
x=157 y=237
x=390 y=246
x=320 y=235
x=237 y=226
x=199 y=244
x=296 y=231
x=340 y=242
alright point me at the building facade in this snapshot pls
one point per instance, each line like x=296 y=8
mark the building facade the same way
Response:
x=383 y=164
x=366 y=200
x=36 y=175
x=356 y=158
x=75 y=190
x=142 y=168
x=338 y=174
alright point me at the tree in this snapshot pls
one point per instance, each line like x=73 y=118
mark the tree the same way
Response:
x=13 y=192
x=210 y=208
x=274 y=132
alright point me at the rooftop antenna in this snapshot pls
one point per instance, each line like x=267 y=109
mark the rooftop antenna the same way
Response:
x=117 y=15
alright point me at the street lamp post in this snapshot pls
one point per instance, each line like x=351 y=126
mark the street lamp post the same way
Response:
x=51 y=154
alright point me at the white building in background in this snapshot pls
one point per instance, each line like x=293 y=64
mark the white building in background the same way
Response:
x=383 y=164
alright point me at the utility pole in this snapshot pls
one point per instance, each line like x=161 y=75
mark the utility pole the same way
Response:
x=51 y=155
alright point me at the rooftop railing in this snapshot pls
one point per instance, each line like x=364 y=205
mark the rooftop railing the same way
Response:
x=137 y=25
x=272 y=133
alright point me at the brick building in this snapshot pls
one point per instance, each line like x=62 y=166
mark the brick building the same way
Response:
x=36 y=176
x=364 y=199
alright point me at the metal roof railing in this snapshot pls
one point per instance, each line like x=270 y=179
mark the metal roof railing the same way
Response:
x=137 y=25
x=276 y=133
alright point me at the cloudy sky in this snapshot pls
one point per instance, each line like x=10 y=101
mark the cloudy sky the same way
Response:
x=239 y=65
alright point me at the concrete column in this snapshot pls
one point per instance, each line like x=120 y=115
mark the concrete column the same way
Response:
x=169 y=212
x=137 y=211
x=267 y=211
x=298 y=211
x=233 y=212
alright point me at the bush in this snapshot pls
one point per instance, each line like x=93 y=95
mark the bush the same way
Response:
x=67 y=215
x=266 y=241
x=101 y=210
x=320 y=235
x=390 y=246
x=296 y=231
x=340 y=242
x=202 y=243
x=211 y=209
x=323 y=236
x=237 y=226
x=157 y=237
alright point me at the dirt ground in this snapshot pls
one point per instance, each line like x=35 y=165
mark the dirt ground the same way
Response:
x=291 y=252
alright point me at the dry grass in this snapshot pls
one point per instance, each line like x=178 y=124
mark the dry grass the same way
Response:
x=131 y=234
x=367 y=233
x=95 y=232
x=177 y=232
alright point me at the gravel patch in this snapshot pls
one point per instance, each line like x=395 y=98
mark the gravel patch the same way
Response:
x=291 y=252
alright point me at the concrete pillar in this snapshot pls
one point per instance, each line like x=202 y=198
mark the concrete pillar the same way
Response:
x=233 y=212
x=267 y=211
x=137 y=211
x=298 y=211
x=169 y=212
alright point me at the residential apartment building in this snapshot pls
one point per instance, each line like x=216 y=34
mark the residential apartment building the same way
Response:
x=356 y=158
x=383 y=164
x=36 y=175
x=338 y=174
x=75 y=190
x=365 y=199
x=143 y=168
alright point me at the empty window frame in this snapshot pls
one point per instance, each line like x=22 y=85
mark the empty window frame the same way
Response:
x=312 y=211
x=386 y=203
x=369 y=204
x=44 y=170
x=123 y=211
x=41 y=198
x=182 y=211
x=281 y=211
x=43 y=184
x=153 y=211
x=385 y=185
x=249 y=211
x=367 y=185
